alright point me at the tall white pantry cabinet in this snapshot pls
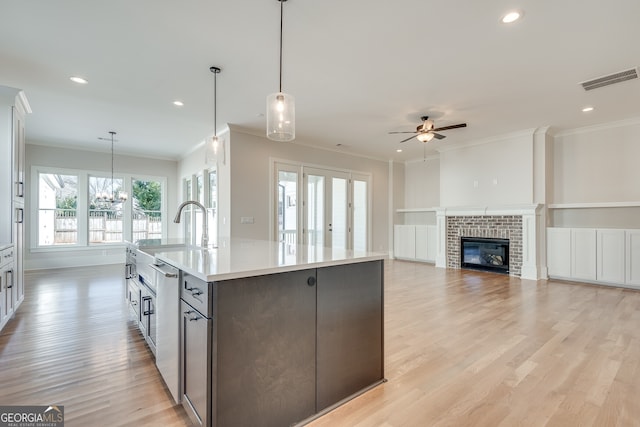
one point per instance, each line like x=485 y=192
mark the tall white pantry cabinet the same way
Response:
x=13 y=109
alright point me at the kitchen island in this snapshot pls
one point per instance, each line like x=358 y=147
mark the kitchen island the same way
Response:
x=274 y=334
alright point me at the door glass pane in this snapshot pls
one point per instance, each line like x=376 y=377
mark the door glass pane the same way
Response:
x=315 y=210
x=186 y=212
x=57 y=209
x=339 y=213
x=287 y=206
x=360 y=215
x=287 y=215
x=105 y=210
x=212 y=211
x=146 y=209
x=198 y=212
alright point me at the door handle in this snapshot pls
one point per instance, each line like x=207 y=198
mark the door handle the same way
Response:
x=195 y=291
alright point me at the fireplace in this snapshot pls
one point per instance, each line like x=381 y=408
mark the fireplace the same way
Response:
x=486 y=254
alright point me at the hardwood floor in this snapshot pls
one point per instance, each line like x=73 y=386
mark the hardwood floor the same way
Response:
x=71 y=344
x=461 y=349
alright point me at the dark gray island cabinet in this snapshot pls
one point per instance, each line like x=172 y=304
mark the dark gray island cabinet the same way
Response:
x=279 y=349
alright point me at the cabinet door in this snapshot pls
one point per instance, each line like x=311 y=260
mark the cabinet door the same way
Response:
x=350 y=330
x=196 y=363
x=18 y=155
x=432 y=242
x=266 y=349
x=583 y=253
x=422 y=242
x=559 y=252
x=633 y=258
x=610 y=256
x=18 y=254
x=404 y=245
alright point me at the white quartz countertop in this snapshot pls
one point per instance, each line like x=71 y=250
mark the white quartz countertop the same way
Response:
x=237 y=258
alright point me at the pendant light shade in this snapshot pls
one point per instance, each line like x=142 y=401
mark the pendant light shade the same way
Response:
x=215 y=144
x=281 y=117
x=281 y=107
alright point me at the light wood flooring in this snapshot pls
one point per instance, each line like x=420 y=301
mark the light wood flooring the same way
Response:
x=461 y=349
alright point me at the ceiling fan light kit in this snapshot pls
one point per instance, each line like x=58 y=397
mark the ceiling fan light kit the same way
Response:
x=281 y=107
x=427 y=130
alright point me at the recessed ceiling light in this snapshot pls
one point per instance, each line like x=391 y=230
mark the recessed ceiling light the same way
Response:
x=399 y=150
x=511 y=17
x=178 y=103
x=587 y=109
x=78 y=80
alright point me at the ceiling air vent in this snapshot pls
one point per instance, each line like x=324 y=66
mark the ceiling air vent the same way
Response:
x=611 y=79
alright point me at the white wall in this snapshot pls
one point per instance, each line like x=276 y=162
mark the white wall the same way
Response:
x=495 y=173
x=422 y=183
x=37 y=155
x=248 y=161
x=598 y=164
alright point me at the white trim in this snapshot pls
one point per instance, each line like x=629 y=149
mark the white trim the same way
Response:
x=505 y=137
x=490 y=210
x=417 y=210
x=598 y=127
x=594 y=205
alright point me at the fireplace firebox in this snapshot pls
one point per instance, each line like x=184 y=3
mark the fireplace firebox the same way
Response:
x=485 y=254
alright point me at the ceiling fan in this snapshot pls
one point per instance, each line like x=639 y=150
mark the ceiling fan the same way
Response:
x=427 y=130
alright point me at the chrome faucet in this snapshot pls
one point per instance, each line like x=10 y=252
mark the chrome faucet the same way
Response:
x=205 y=228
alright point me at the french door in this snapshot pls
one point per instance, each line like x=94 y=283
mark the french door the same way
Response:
x=322 y=207
x=327 y=208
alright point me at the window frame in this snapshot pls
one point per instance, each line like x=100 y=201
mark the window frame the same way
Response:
x=82 y=207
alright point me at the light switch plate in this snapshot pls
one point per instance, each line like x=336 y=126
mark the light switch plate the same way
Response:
x=246 y=220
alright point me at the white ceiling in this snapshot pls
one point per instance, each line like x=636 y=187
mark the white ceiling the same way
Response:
x=358 y=69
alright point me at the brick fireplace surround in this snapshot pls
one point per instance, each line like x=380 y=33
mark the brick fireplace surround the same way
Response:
x=523 y=225
x=491 y=226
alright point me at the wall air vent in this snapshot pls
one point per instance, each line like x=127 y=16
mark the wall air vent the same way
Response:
x=611 y=79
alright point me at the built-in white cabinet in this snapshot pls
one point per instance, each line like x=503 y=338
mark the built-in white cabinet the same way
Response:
x=583 y=253
x=13 y=109
x=603 y=255
x=415 y=242
x=559 y=252
x=7 y=285
x=632 y=258
x=610 y=255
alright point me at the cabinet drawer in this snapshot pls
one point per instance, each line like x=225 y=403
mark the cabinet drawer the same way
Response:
x=7 y=256
x=196 y=292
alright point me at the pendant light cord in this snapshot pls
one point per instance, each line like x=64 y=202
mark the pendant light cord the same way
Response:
x=112 y=194
x=281 y=19
x=215 y=104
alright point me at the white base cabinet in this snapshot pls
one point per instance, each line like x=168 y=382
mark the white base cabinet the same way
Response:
x=599 y=255
x=632 y=276
x=415 y=242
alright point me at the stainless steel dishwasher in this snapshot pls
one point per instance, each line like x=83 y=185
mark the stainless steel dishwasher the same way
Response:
x=168 y=325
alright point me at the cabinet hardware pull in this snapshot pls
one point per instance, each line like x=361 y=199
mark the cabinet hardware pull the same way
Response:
x=311 y=281
x=195 y=291
x=192 y=319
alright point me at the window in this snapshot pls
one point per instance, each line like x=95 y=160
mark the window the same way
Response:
x=83 y=208
x=146 y=199
x=202 y=187
x=105 y=210
x=57 y=209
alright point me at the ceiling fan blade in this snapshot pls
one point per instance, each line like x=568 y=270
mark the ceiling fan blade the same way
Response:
x=437 y=135
x=401 y=132
x=461 y=125
x=405 y=140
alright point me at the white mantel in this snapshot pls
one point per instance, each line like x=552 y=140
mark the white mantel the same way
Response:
x=533 y=234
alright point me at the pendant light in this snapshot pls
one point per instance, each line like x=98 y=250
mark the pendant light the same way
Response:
x=104 y=199
x=281 y=108
x=215 y=143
